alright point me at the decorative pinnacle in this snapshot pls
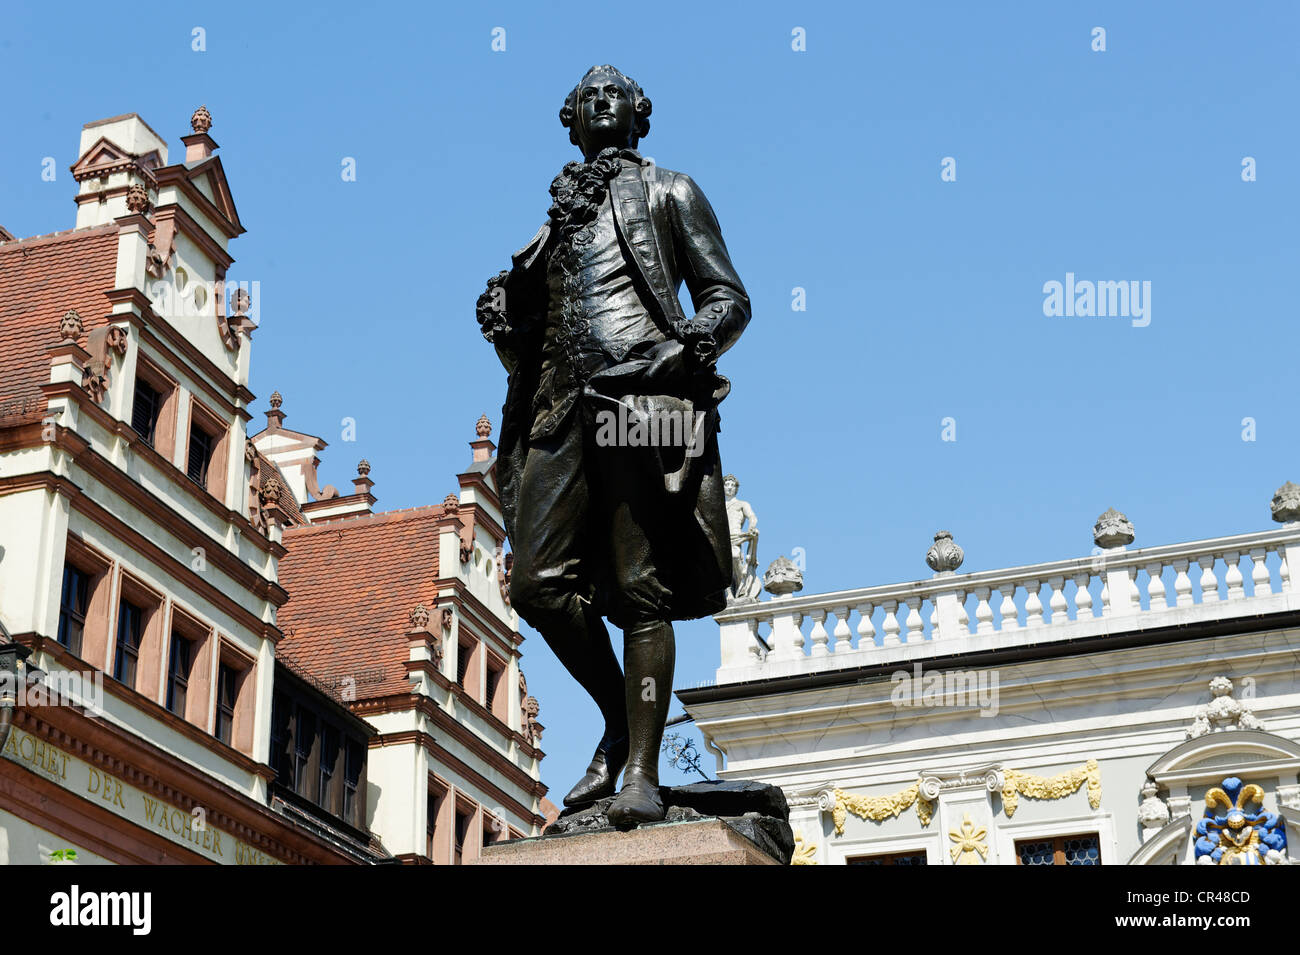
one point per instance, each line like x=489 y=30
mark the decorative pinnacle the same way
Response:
x=136 y=198
x=201 y=121
x=71 y=325
x=276 y=400
x=783 y=577
x=944 y=556
x=419 y=617
x=363 y=468
x=1286 y=504
x=483 y=428
x=1112 y=529
x=452 y=503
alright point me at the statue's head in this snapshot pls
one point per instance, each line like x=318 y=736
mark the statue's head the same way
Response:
x=730 y=486
x=607 y=108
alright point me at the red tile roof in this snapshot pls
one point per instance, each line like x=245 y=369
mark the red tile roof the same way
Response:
x=352 y=585
x=40 y=279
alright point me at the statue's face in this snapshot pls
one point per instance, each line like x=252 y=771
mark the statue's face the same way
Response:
x=729 y=489
x=606 y=113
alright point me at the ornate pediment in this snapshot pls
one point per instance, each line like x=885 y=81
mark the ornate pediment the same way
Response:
x=213 y=196
x=106 y=157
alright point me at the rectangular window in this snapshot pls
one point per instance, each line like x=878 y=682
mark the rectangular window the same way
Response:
x=227 y=693
x=464 y=820
x=491 y=685
x=200 y=455
x=462 y=664
x=145 y=409
x=436 y=800
x=280 y=732
x=178 y=673
x=72 y=607
x=1084 y=849
x=353 y=761
x=304 y=738
x=329 y=754
x=130 y=631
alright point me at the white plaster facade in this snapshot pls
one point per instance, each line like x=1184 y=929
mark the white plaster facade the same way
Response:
x=1104 y=658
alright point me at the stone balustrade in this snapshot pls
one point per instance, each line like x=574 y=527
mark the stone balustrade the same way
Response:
x=1111 y=591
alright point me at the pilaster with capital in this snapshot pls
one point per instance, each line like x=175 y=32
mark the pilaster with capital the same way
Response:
x=965 y=813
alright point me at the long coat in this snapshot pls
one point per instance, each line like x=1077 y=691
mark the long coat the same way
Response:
x=666 y=223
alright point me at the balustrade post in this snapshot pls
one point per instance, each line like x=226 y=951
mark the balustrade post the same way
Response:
x=737 y=638
x=820 y=638
x=890 y=627
x=947 y=623
x=842 y=634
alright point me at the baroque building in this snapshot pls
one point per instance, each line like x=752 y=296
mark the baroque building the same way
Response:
x=155 y=705
x=1132 y=706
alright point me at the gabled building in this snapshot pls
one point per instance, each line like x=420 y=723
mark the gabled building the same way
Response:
x=406 y=615
x=138 y=564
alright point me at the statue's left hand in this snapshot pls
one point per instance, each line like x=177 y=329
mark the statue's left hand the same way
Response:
x=698 y=335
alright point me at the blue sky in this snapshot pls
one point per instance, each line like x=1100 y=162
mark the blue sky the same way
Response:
x=924 y=297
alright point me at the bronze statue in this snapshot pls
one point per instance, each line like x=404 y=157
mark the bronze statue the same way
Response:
x=609 y=471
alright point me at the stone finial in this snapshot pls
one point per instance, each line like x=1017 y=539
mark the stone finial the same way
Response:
x=71 y=326
x=272 y=488
x=201 y=121
x=1222 y=713
x=420 y=617
x=136 y=198
x=783 y=577
x=1286 y=504
x=1112 y=529
x=944 y=556
x=451 y=503
x=483 y=427
x=363 y=467
x=277 y=399
x=1152 y=813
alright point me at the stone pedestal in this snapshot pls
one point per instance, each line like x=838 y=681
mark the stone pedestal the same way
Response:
x=700 y=842
x=711 y=823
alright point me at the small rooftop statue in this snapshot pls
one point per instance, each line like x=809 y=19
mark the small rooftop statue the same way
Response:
x=745 y=585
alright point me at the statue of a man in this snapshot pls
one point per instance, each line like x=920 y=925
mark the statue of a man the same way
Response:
x=743 y=525
x=603 y=522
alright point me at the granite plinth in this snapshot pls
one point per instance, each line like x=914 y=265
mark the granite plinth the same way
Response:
x=695 y=842
x=718 y=822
